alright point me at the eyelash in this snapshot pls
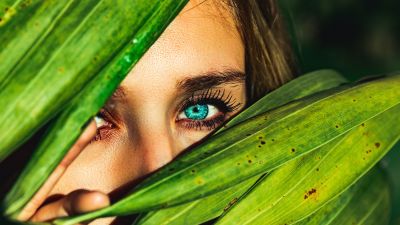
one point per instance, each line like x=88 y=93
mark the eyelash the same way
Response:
x=223 y=102
x=215 y=97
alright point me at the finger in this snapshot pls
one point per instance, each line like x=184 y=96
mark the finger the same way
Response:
x=38 y=199
x=76 y=202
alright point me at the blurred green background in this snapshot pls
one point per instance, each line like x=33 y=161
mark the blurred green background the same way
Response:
x=355 y=37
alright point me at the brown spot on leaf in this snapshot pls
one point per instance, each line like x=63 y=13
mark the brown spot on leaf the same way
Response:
x=377 y=144
x=310 y=192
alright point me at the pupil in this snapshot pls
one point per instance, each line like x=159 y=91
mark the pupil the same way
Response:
x=196 y=112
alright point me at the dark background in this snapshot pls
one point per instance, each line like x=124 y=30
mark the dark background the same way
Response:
x=355 y=37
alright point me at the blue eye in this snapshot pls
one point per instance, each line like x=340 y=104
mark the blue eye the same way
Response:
x=205 y=110
x=196 y=112
x=199 y=111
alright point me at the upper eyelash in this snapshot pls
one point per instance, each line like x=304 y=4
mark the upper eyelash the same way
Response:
x=209 y=95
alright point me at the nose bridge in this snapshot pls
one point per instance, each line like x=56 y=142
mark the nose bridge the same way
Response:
x=153 y=139
x=157 y=150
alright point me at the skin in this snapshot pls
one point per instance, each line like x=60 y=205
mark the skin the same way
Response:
x=145 y=126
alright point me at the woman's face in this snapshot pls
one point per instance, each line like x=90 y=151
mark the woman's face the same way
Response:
x=187 y=84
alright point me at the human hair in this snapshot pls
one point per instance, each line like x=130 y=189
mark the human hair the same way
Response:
x=269 y=58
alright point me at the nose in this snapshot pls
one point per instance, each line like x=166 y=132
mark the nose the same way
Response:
x=155 y=144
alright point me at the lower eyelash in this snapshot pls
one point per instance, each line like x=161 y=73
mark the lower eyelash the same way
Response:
x=207 y=124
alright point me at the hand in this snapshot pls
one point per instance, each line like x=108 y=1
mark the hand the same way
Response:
x=76 y=202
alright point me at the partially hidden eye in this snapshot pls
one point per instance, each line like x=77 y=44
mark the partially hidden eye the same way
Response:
x=100 y=121
x=103 y=124
x=199 y=112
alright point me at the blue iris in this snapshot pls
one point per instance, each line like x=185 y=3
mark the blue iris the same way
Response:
x=197 y=112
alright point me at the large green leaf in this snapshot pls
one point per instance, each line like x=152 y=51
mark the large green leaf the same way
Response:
x=300 y=87
x=257 y=146
x=332 y=209
x=305 y=184
x=40 y=73
x=368 y=202
x=24 y=26
x=63 y=132
x=205 y=209
x=198 y=211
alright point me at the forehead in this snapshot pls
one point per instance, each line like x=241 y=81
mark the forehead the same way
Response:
x=202 y=37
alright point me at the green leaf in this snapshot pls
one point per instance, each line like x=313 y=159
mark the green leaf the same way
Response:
x=47 y=72
x=199 y=211
x=300 y=87
x=208 y=208
x=302 y=186
x=63 y=132
x=368 y=202
x=24 y=25
x=332 y=209
x=257 y=146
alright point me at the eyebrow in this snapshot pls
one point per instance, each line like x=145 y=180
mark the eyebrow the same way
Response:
x=210 y=79
x=199 y=82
